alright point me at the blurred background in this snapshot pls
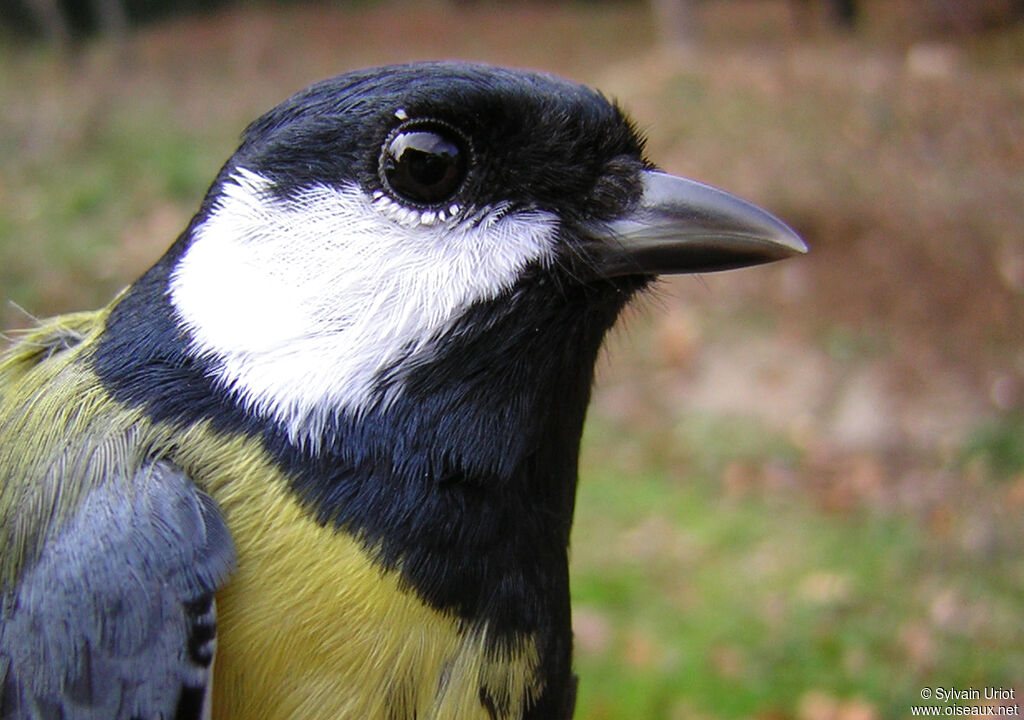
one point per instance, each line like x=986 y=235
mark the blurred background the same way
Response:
x=803 y=484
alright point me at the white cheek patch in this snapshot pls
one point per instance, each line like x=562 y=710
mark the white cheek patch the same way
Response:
x=302 y=302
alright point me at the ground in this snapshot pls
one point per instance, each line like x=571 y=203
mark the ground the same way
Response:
x=802 y=484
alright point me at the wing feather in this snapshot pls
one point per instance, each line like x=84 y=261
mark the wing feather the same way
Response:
x=116 y=620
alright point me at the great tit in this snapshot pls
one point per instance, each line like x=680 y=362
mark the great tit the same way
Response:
x=320 y=460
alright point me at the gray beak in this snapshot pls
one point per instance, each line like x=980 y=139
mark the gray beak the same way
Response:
x=683 y=226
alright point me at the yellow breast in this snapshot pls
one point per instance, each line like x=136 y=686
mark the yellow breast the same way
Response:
x=310 y=626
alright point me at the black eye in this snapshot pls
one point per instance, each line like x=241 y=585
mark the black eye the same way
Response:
x=425 y=163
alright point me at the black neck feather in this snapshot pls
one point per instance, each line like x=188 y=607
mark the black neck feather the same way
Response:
x=464 y=481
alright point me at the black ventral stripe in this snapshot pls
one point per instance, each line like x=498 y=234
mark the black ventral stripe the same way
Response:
x=465 y=483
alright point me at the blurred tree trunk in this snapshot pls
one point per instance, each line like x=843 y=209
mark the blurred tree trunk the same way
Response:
x=675 y=20
x=111 y=18
x=109 y=15
x=48 y=16
x=842 y=13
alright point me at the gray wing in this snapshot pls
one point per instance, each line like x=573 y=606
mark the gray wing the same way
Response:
x=116 y=620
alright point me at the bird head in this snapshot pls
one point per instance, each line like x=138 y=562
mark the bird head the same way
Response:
x=386 y=221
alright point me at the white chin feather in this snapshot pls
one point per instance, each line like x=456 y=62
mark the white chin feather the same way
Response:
x=302 y=302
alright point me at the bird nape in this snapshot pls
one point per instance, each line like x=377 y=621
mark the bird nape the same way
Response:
x=346 y=404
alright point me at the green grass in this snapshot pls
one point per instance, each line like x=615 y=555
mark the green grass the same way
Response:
x=76 y=211
x=999 y=446
x=747 y=606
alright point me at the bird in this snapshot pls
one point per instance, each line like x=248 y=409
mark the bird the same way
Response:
x=320 y=460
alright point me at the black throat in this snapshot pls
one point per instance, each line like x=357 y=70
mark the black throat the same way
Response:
x=463 y=481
